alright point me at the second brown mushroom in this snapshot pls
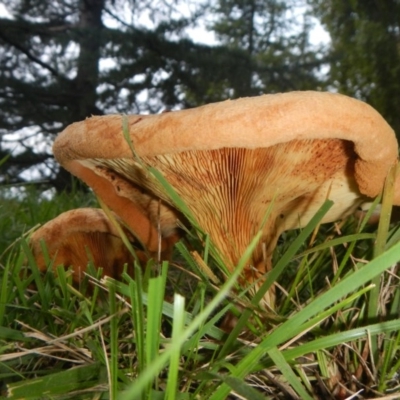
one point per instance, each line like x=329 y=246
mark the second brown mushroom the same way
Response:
x=77 y=237
x=231 y=161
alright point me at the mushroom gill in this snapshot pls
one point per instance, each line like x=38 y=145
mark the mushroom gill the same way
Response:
x=230 y=191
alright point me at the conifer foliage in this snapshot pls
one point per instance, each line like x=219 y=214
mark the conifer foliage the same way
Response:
x=64 y=60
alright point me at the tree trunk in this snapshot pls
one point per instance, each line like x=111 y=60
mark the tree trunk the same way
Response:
x=84 y=85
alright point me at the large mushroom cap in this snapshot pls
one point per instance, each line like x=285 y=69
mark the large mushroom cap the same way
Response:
x=229 y=161
x=250 y=123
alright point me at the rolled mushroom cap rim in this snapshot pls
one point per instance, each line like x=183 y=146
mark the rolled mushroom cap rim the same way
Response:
x=250 y=123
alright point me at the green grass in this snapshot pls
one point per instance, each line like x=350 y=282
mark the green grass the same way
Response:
x=157 y=336
x=26 y=208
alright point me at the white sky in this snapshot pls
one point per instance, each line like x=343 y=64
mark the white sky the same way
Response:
x=4 y=12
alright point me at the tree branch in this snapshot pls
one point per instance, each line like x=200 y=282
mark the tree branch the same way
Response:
x=25 y=51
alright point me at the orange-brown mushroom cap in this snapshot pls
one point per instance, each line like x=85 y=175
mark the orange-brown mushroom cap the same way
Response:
x=76 y=237
x=230 y=160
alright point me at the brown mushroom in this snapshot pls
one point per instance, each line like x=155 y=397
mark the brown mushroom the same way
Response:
x=229 y=162
x=78 y=236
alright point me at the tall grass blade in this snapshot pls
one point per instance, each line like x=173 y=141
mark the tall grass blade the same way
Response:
x=44 y=297
x=273 y=275
x=242 y=388
x=5 y=286
x=117 y=226
x=280 y=266
x=73 y=379
x=383 y=228
x=287 y=372
x=177 y=329
x=335 y=339
x=136 y=296
x=113 y=363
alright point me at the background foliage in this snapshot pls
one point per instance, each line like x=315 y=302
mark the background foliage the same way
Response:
x=365 y=51
x=62 y=61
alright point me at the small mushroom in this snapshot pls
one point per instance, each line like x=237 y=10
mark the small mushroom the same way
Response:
x=78 y=236
x=231 y=162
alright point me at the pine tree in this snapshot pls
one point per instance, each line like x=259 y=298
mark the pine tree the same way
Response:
x=273 y=39
x=50 y=76
x=64 y=60
x=365 y=51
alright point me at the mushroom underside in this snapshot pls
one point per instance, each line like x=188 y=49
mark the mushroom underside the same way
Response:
x=232 y=193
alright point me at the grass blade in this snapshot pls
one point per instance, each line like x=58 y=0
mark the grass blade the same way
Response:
x=177 y=329
x=73 y=379
x=284 y=367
